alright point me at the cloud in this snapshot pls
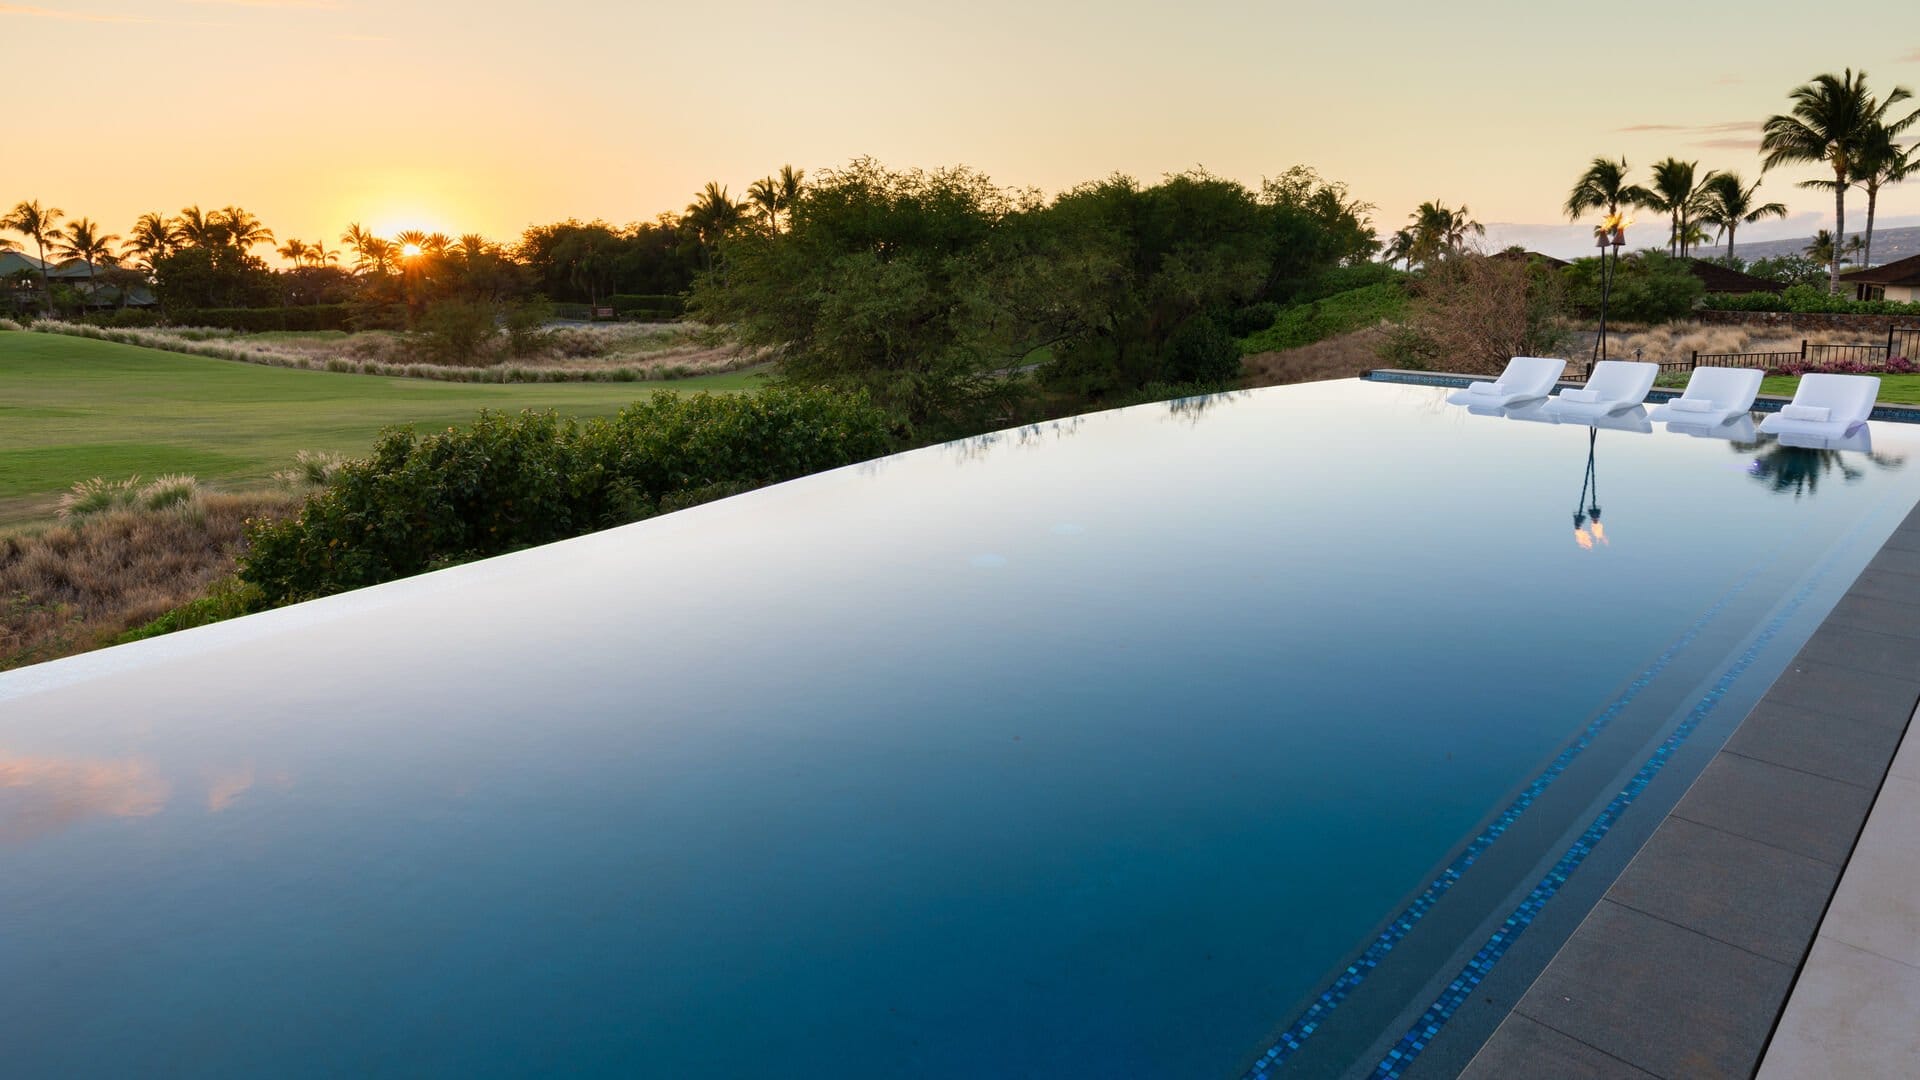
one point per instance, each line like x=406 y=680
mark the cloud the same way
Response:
x=42 y=796
x=1729 y=127
x=1728 y=144
x=67 y=16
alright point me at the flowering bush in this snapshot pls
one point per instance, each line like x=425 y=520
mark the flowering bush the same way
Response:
x=1898 y=365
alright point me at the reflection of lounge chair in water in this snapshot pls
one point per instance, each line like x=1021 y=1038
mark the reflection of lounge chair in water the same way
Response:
x=1860 y=439
x=1713 y=397
x=1738 y=429
x=1615 y=386
x=1634 y=419
x=1526 y=378
x=1826 y=407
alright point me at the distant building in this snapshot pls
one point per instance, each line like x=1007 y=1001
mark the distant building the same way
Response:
x=1888 y=281
x=1721 y=279
x=20 y=272
x=1523 y=255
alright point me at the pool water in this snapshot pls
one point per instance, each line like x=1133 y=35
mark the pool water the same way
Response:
x=1149 y=743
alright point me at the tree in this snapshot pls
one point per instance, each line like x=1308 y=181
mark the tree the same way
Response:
x=773 y=197
x=153 y=238
x=369 y=251
x=1884 y=161
x=1604 y=187
x=37 y=224
x=1677 y=192
x=84 y=241
x=713 y=215
x=294 y=251
x=1400 y=248
x=241 y=229
x=318 y=254
x=1726 y=205
x=197 y=229
x=1439 y=232
x=1830 y=123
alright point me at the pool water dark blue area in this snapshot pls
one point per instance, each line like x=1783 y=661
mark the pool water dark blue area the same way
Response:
x=1095 y=749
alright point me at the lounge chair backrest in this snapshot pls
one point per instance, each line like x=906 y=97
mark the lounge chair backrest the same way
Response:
x=1725 y=387
x=1532 y=375
x=1849 y=398
x=1622 y=380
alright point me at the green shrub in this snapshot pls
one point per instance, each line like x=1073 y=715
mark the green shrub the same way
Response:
x=1201 y=351
x=457 y=331
x=257 y=320
x=649 y=307
x=1647 y=288
x=125 y=319
x=1808 y=300
x=1329 y=317
x=525 y=324
x=512 y=481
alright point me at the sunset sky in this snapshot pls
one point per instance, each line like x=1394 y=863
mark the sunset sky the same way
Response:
x=490 y=115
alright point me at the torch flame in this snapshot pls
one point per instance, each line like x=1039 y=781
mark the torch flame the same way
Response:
x=1585 y=541
x=1599 y=532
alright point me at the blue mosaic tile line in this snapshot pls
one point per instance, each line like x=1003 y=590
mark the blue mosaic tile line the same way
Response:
x=1343 y=985
x=1422 y=1033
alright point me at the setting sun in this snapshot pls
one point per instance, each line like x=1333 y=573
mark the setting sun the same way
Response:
x=408 y=251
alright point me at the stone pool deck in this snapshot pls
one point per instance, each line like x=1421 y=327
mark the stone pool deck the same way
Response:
x=1684 y=967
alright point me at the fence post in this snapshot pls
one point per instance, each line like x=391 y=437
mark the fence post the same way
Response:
x=1803 y=348
x=1694 y=364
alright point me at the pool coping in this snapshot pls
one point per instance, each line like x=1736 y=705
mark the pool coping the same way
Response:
x=1902 y=414
x=1685 y=966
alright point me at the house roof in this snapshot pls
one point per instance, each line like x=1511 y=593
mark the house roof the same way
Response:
x=1721 y=279
x=1901 y=272
x=12 y=262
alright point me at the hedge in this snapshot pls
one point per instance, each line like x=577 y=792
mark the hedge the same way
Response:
x=649 y=306
x=1806 y=300
x=512 y=481
x=257 y=320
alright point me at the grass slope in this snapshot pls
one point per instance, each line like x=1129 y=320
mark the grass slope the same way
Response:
x=1894 y=389
x=1318 y=320
x=73 y=408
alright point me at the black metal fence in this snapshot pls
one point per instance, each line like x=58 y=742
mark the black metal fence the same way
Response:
x=1902 y=341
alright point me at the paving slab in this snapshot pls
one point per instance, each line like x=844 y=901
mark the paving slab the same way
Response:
x=1850 y=747
x=1533 y=1049
x=1748 y=894
x=1852 y=1015
x=1788 y=808
x=1832 y=689
x=1862 y=650
x=1660 y=997
x=1877 y=906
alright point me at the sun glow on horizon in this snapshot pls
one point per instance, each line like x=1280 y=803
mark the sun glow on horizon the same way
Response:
x=408 y=251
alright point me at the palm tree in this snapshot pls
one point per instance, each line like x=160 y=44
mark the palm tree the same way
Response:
x=318 y=254
x=242 y=229
x=36 y=223
x=1830 y=123
x=776 y=196
x=713 y=214
x=1676 y=192
x=153 y=238
x=436 y=243
x=294 y=251
x=1604 y=186
x=1884 y=162
x=471 y=246
x=1821 y=249
x=1439 y=231
x=83 y=240
x=1400 y=248
x=1727 y=205
x=197 y=229
x=411 y=238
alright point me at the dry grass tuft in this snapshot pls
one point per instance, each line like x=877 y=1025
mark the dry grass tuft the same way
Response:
x=78 y=585
x=1338 y=357
x=311 y=469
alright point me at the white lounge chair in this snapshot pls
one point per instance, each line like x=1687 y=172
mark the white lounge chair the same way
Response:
x=1526 y=377
x=1615 y=385
x=1713 y=396
x=1825 y=407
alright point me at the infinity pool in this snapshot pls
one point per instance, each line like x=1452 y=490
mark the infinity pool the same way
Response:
x=1281 y=733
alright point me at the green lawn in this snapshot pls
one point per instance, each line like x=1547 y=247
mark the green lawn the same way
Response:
x=72 y=408
x=1894 y=389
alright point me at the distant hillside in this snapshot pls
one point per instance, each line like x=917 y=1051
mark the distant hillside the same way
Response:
x=1888 y=245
